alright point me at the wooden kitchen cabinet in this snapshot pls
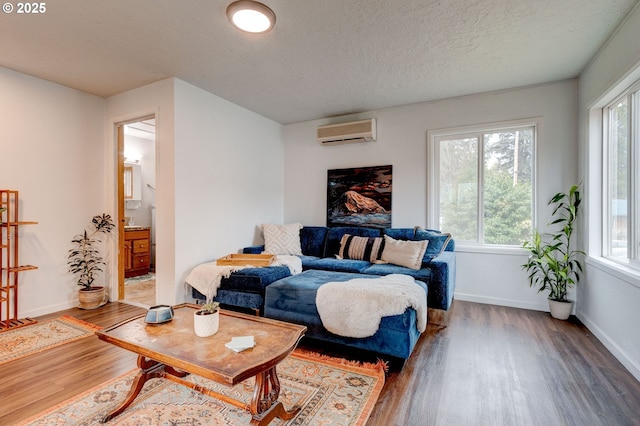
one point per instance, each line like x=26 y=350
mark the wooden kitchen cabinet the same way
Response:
x=137 y=251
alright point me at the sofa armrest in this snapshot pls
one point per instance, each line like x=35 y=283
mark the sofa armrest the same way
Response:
x=253 y=249
x=443 y=270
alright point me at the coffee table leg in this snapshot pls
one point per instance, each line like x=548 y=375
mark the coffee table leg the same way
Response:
x=264 y=404
x=149 y=369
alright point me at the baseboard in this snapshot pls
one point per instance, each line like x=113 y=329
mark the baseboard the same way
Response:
x=47 y=309
x=611 y=346
x=501 y=302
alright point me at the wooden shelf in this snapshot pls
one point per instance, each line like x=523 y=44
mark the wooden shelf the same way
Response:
x=22 y=268
x=9 y=263
x=11 y=324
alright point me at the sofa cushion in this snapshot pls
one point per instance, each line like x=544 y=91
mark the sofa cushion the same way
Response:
x=254 y=280
x=360 y=248
x=400 y=233
x=282 y=239
x=307 y=260
x=423 y=275
x=339 y=265
x=334 y=236
x=438 y=242
x=404 y=253
x=312 y=240
x=240 y=299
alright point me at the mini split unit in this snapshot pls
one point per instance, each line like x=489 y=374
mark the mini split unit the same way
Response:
x=355 y=131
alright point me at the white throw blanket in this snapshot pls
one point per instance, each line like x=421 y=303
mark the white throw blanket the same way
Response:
x=354 y=308
x=206 y=277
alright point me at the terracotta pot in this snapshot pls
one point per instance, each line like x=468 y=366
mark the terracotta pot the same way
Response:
x=560 y=310
x=91 y=298
x=205 y=324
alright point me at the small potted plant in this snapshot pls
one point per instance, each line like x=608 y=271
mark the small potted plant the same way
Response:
x=85 y=261
x=206 y=320
x=552 y=264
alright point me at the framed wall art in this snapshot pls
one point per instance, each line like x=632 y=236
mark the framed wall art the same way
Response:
x=359 y=196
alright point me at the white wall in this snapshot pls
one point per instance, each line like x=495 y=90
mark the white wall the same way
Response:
x=52 y=152
x=229 y=177
x=154 y=99
x=482 y=276
x=609 y=297
x=218 y=175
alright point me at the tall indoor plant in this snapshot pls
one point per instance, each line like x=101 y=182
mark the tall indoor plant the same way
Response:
x=85 y=261
x=552 y=263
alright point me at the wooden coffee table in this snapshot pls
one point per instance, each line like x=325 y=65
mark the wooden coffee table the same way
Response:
x=172 y=351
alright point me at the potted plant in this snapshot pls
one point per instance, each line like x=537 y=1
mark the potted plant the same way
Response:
x=207 y=319
x=552 y=264
x=85 y=261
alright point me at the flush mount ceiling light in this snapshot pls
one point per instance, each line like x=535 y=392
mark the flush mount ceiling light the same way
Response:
x=251 y=16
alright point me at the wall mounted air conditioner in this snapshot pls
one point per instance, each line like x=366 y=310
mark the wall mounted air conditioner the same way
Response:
x=355 y=131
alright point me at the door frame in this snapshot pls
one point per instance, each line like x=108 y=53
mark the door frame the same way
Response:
x=120 y=194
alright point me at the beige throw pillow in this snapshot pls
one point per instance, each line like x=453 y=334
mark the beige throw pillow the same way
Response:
x=404 y=253
x=282 y=239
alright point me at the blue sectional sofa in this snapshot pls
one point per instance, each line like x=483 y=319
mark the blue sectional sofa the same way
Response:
x=273 y=292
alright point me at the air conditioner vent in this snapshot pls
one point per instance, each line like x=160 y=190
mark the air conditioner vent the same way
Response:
x=355 y=131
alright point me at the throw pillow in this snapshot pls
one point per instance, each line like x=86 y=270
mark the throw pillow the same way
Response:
x=360 y=248
x=404 y=253
x=282 y=239
x=437 y=242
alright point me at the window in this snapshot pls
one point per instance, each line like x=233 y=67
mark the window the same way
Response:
x=484 y=181
x=621 y=177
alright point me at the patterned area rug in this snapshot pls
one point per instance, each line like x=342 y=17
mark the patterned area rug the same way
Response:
x=331 y=392
x=38 y=337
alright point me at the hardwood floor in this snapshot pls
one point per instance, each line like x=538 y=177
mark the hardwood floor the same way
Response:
x=503 y=366
x=491 y=366
x=32 y=384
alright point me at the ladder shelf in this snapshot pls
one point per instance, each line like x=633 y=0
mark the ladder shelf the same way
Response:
x=10 y=268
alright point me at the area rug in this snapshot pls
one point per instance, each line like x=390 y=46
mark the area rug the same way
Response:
x=40 y=336
x=141 y=289
x=139 y=278
x=331 y=391
x=141 y=292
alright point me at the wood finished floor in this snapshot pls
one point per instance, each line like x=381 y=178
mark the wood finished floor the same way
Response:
x=491 y=366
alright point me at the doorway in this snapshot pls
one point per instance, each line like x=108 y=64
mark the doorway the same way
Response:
x=137 y=204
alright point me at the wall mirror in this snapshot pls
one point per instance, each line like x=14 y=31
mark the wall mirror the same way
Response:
x=132 y=182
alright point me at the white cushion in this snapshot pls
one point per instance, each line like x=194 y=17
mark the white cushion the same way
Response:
x=404 y=253
x=282 y=239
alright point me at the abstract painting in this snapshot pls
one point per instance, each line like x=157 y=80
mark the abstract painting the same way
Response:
x=359 y=196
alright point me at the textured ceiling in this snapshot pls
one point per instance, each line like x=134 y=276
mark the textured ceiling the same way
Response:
x=323 y=58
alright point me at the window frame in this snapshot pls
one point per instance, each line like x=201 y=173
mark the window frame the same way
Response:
x=433 y=177
x=632 y=94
